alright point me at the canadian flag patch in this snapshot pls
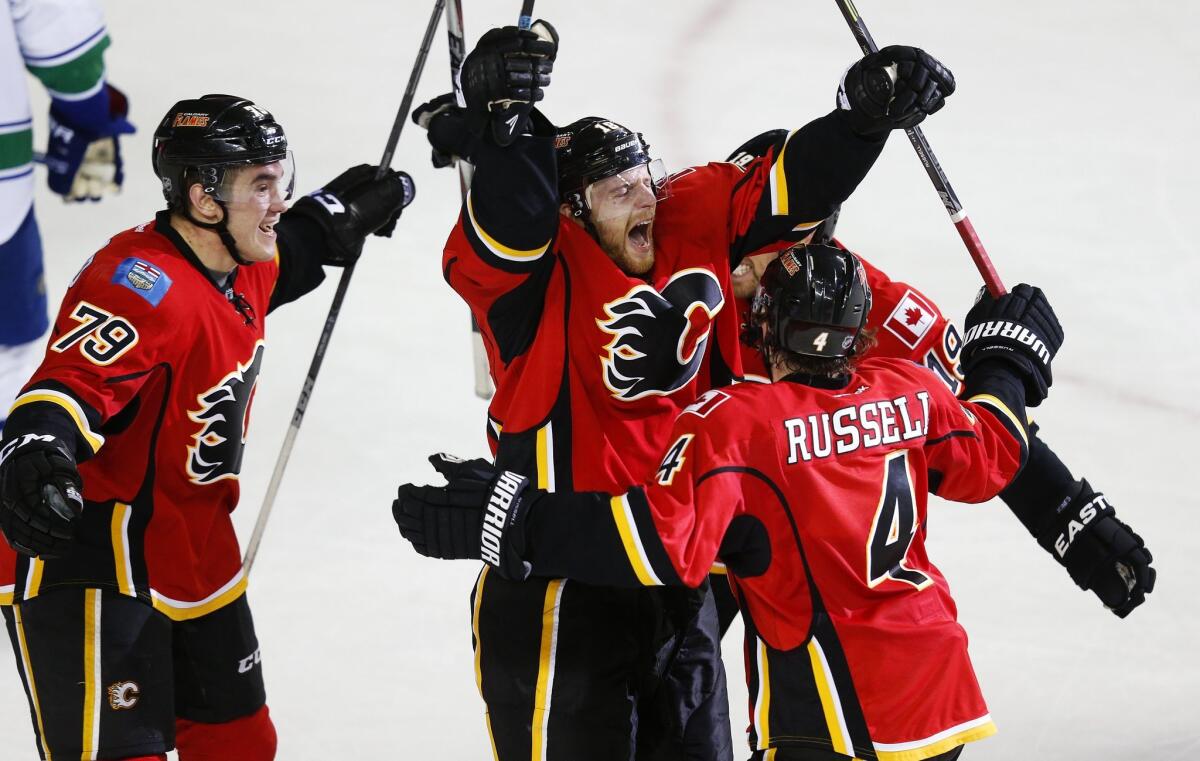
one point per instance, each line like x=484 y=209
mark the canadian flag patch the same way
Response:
x=911 y=319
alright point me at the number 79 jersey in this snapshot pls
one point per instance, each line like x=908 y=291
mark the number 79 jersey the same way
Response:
x=149 y=376
x=816 y=501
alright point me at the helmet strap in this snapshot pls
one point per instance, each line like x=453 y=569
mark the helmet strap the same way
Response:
x=222 y=231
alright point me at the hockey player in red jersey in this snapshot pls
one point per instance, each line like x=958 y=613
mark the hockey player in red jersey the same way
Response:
x=601 y=288
x=1112 y=561
x=124 y=592
x=813 y=490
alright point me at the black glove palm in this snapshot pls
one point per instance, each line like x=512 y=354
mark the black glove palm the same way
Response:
x=475 y=516
x=1099 y=551
x=39 y=496
x=1020 y=327
x=356 y=205
x=505 y=75
x=895 y=88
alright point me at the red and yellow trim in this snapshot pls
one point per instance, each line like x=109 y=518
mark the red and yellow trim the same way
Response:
x=69 y=405
x=546 y=661
x=498 y=248
x=185 y=611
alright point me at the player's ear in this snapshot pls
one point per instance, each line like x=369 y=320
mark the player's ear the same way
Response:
x=204 y=206
x=565 y=210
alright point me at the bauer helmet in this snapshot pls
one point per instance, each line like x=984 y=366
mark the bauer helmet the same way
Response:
x=592 y=149
x=814 y=300
x=200 y=138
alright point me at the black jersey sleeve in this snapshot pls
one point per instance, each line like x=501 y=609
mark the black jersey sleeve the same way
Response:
x=301 y=252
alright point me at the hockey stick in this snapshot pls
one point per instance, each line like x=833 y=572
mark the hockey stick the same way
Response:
x=954 y=208
x=335 y=308
x=458 y=51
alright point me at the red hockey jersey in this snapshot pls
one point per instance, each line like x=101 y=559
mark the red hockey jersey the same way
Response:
x=590 y=364
x=155 y=368
x=816 y=500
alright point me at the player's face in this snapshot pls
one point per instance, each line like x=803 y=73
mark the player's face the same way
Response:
x=255 y=198
x=622 y=209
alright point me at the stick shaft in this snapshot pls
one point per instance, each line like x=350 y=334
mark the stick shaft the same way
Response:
x=335 y=308
x=933 y=169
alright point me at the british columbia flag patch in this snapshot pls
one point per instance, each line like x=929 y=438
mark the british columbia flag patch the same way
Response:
x=144 y=279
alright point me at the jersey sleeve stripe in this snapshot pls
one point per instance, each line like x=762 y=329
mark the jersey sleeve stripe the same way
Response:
x=632 y=541
x=70 y=405
x=994 y=403
x=6 y=594
x=498 y=248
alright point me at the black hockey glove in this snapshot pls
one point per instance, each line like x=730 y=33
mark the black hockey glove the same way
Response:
x=445 y=123
x=1099 y=551
x=505 y=75
x=477 y=515
x=1020 y=327
x=39 y=495
x=354 y=206
x=895 y=88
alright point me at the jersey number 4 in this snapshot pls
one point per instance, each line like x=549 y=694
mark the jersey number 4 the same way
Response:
x=894 y=527
x=102 y=336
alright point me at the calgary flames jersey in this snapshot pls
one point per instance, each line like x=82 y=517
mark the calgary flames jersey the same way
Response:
x=591 y=364
x=815 y=498
x=149 y=376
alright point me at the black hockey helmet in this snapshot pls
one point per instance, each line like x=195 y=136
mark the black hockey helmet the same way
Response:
x=814 y=300
x=591 y=149
x=199 y=138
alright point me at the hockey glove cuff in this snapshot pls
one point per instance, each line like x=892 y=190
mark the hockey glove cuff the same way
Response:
x=1099 y=551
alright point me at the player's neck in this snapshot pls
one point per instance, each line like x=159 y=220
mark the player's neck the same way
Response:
x=206 y=244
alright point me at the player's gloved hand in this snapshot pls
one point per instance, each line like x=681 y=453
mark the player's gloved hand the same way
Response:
x=39 y=495
x=476 y=515
x=505 y=75
x=354 y=206
x=895 y=88
x=83 y=156
x=446 y=125
x=1099 y=551
x=1021 y=328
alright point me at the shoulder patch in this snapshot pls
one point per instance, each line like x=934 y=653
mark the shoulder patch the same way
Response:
x=911 y=319
x=144 y=279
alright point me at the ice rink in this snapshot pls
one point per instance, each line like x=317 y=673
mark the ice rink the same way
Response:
x=1071 y=141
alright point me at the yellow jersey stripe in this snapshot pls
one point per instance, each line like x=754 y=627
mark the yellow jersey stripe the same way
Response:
x=498 y=248
x=545 y=457
x=91 y=674
x=623 y=517
x=762 y=701
x=779 y=189
x=23 y=646
x=33 y=578
x=1003 y=409
x=487 y=716
x=545 y=680
x=976 y=729
x=185 y=611
x=94 y=440
x=7 y=592
x=831 y=703
x=120 y=544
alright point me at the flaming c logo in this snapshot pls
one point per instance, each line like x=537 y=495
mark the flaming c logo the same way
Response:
x=659 y=337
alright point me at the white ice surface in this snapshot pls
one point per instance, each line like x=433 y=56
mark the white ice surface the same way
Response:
x=1072 y=143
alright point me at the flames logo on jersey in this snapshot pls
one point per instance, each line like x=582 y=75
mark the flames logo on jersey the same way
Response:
x=224 y=417
x=646 y=325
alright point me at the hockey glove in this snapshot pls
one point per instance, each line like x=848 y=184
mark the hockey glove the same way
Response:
x=895 y=88
x=354 y=206
x=476 y=515
x=446 y=125
x=1020 y=327
x=39 y=495
x=84 y=155
x=505 y=75
x=1099 y=551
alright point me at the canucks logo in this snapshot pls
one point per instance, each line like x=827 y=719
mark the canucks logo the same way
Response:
x=223 y=416
x=659 y=337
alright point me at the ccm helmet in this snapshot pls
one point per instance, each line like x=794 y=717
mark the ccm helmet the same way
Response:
x=199 y=139
x=592 y=149
x=814 y=300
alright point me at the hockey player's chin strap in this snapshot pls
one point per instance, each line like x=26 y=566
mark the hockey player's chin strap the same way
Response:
x=222 y=231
